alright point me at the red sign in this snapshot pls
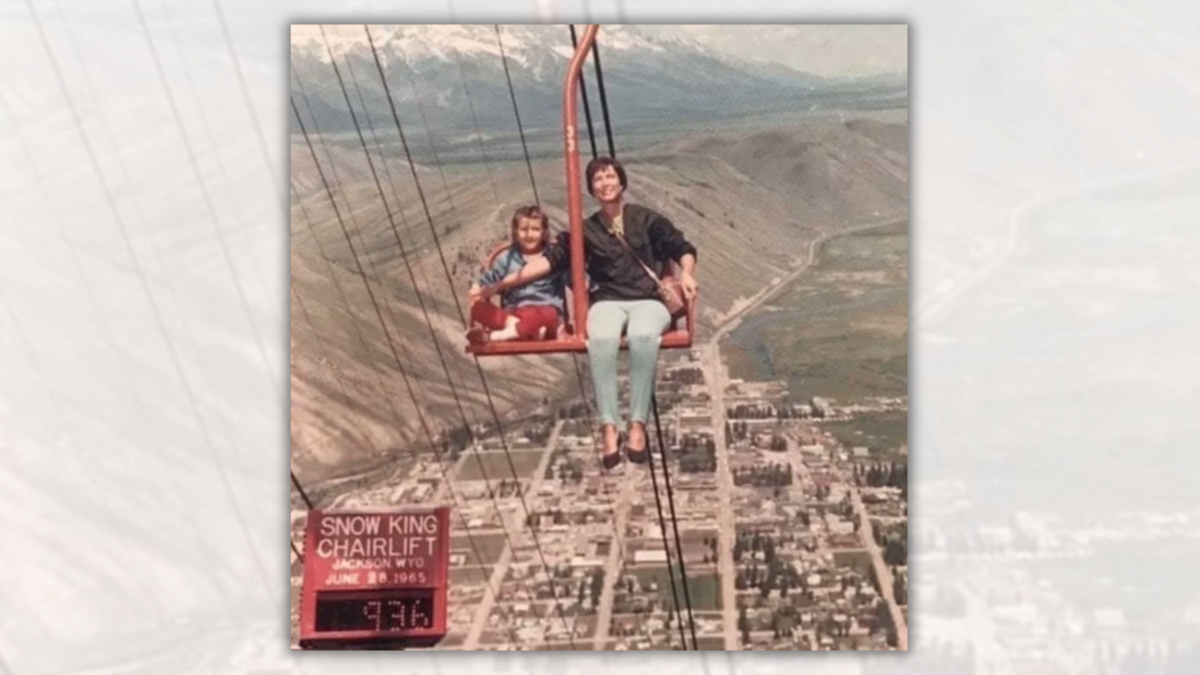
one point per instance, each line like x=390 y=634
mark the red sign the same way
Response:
x=373 y=578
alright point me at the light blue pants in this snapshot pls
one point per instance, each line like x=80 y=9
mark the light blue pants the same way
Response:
x=643 y=322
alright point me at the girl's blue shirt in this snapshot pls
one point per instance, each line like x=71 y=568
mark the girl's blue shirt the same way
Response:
x=545 y=291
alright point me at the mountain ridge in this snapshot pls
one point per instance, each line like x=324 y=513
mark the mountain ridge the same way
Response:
x=457 y=75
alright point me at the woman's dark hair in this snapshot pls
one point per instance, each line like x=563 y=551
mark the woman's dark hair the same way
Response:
x=599 y=163
x=530 y=213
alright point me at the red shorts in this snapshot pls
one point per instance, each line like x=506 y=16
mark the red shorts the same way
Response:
x=530 y=319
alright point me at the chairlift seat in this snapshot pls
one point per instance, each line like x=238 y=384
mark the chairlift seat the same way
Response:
x=678 y=334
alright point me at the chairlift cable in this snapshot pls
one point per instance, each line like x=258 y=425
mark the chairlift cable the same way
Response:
x=479 y=141
x=453 y=209
x=399 y=202
x=687 y=594
x=337 y=284
x=300 y=488
x=612 y=150
x=357 y=228
x=520 y=128
x=321 y=346
x=587 y=108
x=662 y=524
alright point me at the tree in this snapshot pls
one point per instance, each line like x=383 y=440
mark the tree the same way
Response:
x=899 y=590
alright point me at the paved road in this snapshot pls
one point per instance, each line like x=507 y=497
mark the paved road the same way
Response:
x=882 y=571
x=612 y=566
x=714 y=375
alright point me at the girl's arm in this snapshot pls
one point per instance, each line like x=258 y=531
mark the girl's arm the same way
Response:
x=557 y=256
x=535 y=268
x=496 y=273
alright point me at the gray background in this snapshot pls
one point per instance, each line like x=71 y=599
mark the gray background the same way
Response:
x=1055 y=353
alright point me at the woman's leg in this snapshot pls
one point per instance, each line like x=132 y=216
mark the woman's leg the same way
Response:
x=606 y=319
x=647 y=320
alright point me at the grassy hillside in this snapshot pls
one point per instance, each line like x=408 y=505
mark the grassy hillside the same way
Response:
x=840 y=329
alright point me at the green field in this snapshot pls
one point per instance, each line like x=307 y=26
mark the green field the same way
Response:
x=840 y=329
x=856 y=560
x=496 y=465
x=704 y=588
x=876 y=430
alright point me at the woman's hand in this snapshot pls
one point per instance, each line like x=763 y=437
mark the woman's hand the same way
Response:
x=688 y=283
x=475 y=294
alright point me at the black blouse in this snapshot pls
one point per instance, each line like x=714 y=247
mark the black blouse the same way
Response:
x=611 y=267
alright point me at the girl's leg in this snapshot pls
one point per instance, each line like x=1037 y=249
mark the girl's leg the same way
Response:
x=489 y=315
x=606 y=319
x=647 y=320
x=509 y=331
x=551 y=320
x=536 y=322
x=527 y=322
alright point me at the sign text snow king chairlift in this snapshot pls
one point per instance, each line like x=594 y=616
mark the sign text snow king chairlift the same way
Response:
x=375 y=579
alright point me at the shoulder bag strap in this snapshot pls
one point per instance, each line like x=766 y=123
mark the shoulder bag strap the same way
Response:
x=639 y=260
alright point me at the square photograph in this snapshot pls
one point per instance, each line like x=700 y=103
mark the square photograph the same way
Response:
x=599 y=337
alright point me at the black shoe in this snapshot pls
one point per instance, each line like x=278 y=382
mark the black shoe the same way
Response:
x=612 y=459
x=636 y=456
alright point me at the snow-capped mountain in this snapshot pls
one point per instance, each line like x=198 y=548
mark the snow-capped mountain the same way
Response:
x=449 y=69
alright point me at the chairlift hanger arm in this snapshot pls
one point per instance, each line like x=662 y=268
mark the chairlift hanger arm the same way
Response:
x=574 y=198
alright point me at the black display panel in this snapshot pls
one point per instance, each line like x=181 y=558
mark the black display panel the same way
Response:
x=382 y=611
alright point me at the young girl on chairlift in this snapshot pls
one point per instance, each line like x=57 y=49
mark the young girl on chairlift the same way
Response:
x=531 y=311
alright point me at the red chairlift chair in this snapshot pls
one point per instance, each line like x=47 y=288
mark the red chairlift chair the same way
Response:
x=573 y=336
